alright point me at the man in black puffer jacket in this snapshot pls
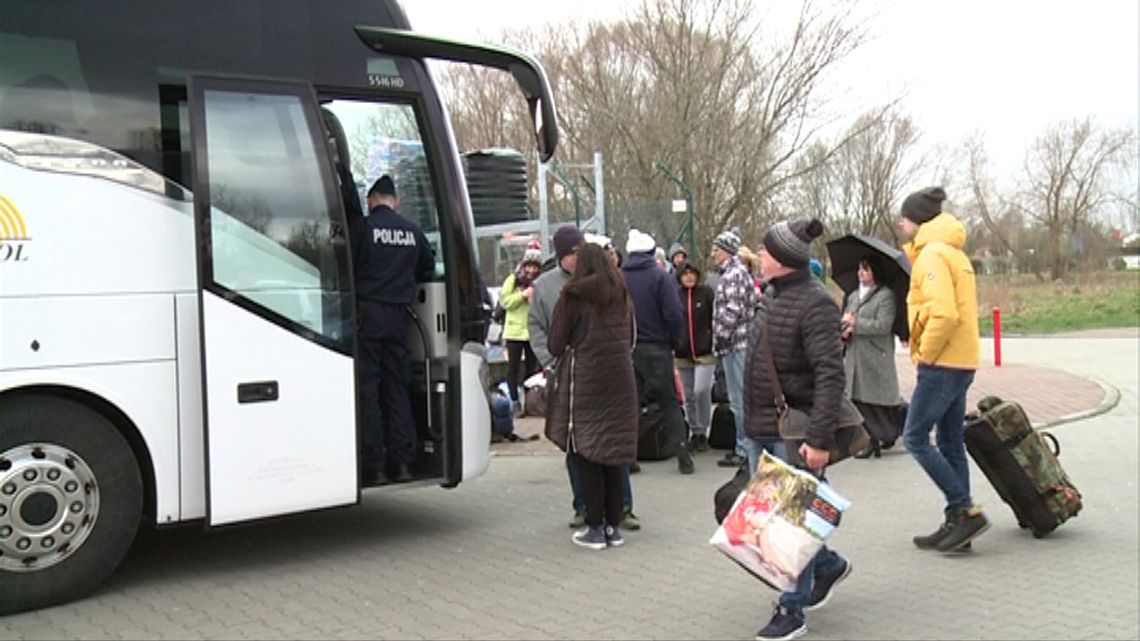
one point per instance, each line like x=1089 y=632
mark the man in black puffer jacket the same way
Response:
x=803 y=334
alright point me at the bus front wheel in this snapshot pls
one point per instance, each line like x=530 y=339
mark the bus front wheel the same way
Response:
x=70 y=501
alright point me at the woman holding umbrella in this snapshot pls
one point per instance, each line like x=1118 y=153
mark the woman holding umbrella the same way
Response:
x=869 y=358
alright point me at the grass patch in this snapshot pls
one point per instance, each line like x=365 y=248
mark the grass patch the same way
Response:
x=1089 y=300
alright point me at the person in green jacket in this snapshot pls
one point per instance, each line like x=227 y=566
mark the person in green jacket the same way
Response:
x=515 y=297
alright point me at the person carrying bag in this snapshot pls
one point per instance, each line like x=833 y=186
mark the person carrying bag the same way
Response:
x=794 y=382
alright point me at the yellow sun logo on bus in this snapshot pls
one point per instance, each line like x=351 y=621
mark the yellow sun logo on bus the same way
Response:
x=13 y=233
x=12 y=225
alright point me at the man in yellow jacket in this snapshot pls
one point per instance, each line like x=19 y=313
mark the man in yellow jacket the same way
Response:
x=942 y=308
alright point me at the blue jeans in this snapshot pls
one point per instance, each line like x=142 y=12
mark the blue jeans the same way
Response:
x=824 y=561
x=733 y=364
x=579 y=502
x=940 y=398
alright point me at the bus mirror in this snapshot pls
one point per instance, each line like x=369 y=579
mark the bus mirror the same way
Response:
x=533 y=83
x=526 y=71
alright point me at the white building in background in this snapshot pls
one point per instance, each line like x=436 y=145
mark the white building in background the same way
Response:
x=1130 y=250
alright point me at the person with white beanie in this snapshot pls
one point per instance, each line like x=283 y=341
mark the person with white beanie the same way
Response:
x=657 y=309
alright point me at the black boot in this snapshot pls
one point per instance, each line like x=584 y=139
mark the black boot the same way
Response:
x=931 y=541
x=872 y=449
x=684 y=458
x=968 y=524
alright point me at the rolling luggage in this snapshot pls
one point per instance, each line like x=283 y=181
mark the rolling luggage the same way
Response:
x=1021 y=463
x=722 y=432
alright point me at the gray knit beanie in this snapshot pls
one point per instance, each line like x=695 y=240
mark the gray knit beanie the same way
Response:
x=789 y=242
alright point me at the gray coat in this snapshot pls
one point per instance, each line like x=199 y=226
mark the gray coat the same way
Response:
x=870 y=359
x=547 y=289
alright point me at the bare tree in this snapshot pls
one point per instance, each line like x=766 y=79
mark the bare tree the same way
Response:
x=989 y=205
x=1066 y=173
x=727 y=100
x=856 y=186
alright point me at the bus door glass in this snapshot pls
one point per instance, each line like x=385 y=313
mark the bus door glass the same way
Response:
x=372 y=138
x=275 y=301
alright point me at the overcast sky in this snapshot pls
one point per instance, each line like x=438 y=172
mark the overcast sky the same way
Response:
x=1008 y=68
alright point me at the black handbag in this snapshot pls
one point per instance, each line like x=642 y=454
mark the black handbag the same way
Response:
x=793 y=424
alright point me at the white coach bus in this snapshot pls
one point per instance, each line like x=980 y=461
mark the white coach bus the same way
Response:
x=176 y=293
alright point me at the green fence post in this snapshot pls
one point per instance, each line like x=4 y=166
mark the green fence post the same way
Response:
x=688 y=205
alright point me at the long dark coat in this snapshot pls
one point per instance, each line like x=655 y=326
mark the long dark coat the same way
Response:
x=592 y=407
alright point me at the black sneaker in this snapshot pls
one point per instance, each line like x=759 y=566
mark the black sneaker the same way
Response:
x=824 y=586
x=730 y=460
x=403 y=473
x=590 y=537
x=784 y=625
x=931 y=541
x=634 y=468
x=613 y=537
x=969 y=524
x=685 y=465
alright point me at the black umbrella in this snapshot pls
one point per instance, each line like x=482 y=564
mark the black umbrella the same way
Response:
x=845 y=254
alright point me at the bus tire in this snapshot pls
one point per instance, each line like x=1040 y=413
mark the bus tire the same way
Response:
x=70 y=501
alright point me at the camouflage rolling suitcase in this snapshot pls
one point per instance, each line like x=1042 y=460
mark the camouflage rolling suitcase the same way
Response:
x=1021 y=465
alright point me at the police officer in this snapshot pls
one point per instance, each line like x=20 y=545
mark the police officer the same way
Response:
x=390 y=254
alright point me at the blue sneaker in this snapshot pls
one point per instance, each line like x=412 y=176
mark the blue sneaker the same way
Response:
x=613 y=537
x=590 y=537
x=824 y=586
x=783 y=626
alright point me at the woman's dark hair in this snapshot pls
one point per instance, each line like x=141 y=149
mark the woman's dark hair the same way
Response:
x=596 y=281
x=876 y=266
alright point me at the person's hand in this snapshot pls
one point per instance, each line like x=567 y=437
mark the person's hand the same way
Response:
x=814 y=458
x=849 y=319
x=528 y=294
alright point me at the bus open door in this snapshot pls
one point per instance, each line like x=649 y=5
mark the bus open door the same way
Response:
x=276 y=335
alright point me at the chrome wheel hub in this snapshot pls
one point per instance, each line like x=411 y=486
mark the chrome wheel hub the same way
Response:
x=49 y=501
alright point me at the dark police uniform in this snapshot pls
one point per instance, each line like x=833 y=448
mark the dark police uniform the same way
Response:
x=390 y=254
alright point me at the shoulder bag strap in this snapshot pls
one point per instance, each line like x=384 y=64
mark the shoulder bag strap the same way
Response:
x=779 y=401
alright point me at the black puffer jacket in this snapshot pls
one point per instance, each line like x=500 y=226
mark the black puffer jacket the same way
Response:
x=803 y=328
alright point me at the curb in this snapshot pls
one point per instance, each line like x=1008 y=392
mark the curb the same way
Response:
x=1110 y=400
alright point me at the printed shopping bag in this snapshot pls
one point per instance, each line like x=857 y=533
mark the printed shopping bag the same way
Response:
x=779 y=522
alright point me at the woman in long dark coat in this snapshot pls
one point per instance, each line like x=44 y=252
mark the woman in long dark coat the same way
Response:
x=592 y=406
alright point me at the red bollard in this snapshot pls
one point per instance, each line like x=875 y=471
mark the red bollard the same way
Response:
x=997 y=337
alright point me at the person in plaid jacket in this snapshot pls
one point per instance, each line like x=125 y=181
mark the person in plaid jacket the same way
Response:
x=733 y=307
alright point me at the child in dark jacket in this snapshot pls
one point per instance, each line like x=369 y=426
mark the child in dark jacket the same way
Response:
x=694 y=359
